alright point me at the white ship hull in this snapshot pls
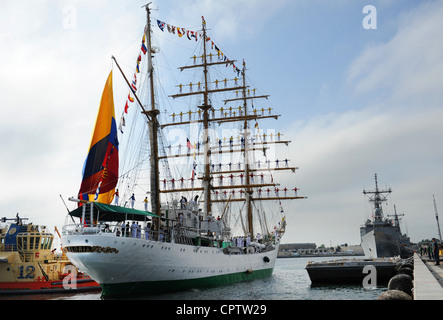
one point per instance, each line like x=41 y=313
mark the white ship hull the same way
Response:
x=138 y=266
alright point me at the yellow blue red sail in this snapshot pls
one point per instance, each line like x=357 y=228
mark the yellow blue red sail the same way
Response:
x=100 y=171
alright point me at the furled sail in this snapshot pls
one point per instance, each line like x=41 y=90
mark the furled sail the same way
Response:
x=100 y=171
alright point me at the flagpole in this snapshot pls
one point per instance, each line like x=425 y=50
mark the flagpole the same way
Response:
x=436 y=217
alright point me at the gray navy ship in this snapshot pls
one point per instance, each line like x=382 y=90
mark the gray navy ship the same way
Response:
x=381 y=237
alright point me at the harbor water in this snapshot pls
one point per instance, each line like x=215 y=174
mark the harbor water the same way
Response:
x=290 y=281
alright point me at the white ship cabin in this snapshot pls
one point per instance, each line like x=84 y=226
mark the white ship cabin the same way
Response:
x=180 y=223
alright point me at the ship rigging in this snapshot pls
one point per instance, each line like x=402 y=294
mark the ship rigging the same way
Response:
x=233 y=172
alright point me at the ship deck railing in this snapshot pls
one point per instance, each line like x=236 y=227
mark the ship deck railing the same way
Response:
x=8 y=248
x=31 y=255
x=116 y=230
x=180 y=234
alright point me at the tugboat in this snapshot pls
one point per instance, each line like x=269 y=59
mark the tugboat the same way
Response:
x=385 y=232
x=29 y=265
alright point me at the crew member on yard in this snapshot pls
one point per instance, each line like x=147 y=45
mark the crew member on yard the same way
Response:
x=132 y=201
x=116 y=197
x=146 y=203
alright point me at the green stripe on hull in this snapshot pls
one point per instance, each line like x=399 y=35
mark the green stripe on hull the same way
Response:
x=155 y=287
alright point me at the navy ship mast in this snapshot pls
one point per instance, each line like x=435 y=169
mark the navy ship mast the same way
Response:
x=377 y=197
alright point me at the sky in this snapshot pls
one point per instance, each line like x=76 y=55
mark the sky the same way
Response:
x=360 y=93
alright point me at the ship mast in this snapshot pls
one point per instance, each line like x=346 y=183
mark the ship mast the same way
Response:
x=378 y=198
x=153 y=125
x=205 y=108
x=246 y=134
x=396 y=218
x=246 y=148
x=207 y=177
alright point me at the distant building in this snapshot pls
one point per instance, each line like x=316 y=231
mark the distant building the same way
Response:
x=357 y=249
x=311 y=249
x=294 y=249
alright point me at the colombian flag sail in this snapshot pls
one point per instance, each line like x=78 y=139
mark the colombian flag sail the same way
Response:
x=100 y=171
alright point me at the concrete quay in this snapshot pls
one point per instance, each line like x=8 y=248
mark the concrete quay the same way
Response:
x=428 y=279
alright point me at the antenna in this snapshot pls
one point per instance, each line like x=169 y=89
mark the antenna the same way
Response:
x=146 y=5
x=377 y=197
x=436 y=217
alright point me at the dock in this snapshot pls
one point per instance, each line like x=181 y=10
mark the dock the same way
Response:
x=428 y=279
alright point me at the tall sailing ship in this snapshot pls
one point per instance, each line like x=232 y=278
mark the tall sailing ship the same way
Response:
x=230 y=228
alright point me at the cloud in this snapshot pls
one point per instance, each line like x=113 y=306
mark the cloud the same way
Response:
x=409 y=64
x=396 y=133
x=50 y=89
x=230 y=20
x=53 y=77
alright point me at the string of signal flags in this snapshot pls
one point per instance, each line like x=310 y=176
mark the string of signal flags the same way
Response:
x=195 y=35
x=133 y=87
x=181 y=32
